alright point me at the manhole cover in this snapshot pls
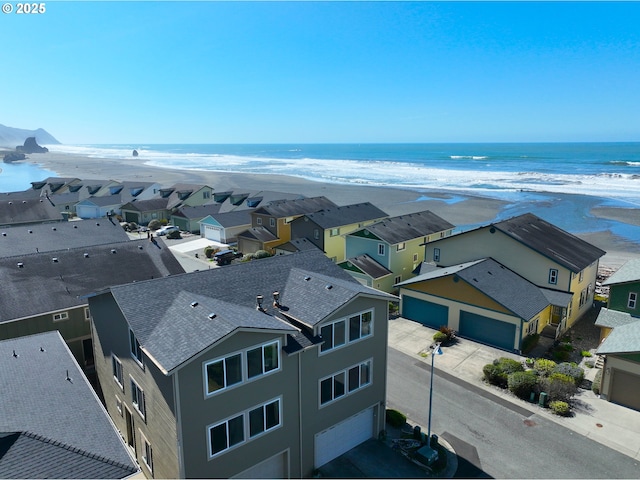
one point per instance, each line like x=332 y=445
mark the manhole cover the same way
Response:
x=529 y=423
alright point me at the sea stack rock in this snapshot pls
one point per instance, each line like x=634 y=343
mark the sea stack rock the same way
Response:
x=31 y=146
x=135 y=153
x=14 y=157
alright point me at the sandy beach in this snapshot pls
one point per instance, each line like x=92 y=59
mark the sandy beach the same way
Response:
x=394 y=201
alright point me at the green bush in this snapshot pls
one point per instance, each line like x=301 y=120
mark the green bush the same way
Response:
x=559 y=386
x=559 y=408
x=449 y=333
x=597 y=383
x=261 y=254
x=529 y=342
x=561 y=355
x=571 y=369
x=173 y=235
x=395 y=418
x=154 y=225
x=585 y=353
x=439 y=337
x=508 y=365
x=544 y=366
x=210 y=251
x=494 y=375
x=522 y=384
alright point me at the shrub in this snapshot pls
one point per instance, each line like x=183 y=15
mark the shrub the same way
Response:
x=494 y=375
x=395 y=418
x=449 y=333
x=544 y=366
x=559 y=386
x=561 y=355
x=571 y=369
x=173 y=235
x=585 y=353
x=597 y=382
x=522 y=384
x=508 y=365
x=210 y=251
x=154 y=224
x=529 y=342
x=261 y=254
x=559 y=408
x=439 y=337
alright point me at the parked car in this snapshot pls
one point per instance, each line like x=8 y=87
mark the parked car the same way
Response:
x=164 y=230
x=225 y=257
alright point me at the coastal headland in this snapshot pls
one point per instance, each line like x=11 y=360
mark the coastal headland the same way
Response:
x=461 y=209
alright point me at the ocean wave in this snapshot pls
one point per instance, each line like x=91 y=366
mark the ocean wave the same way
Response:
x=468 y=157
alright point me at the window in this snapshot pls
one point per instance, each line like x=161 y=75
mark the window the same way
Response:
x=360 y=326
x=136 y=350
x=633 y=300
x=244 y=427
x=398 y=279
x=206 y=194
x=345 y=382
x=137 y=398
x=272 y=222
x=224 y=373
x=316 y=233
x=117 y=371
x=583 y=297
x=262 y=360
x=147 y=453
x=333 y=335
x=119 y=405
x=87 y=314
x=532 y=328
x=415 y=257
x=238 y=367
x=258 y=221
x=553 y=276
x=57 y=317
x=334 y=232
x=381 y=249
x=436 y=254
x=401 y=246
x=581 y=276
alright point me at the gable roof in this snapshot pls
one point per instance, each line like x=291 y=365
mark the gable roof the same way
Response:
x=550 y=241
x=298 y=206
x=298 y=245
x=629 y=272
x=366 y=265
x=231 y=293
x=104 y=201
x=496 y=281
x=58 y=427
x=62 y=283
x=260 y=234
x=151 y=205
x=46 y=237
x=346 y=215
x=622 y=339
x=408 y=227
x=28 y=210
x=613 y=318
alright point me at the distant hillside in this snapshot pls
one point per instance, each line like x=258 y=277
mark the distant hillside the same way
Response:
x=12 y=137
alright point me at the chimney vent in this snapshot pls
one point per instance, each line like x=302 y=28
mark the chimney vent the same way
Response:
x=113 y=250
x=55 y=259
x=194 y=304
x=86 y=255
x=259 y=299
x=276 y=299
x=20 y=265
x=212 y=316
x=328 y=287
x=15 y=355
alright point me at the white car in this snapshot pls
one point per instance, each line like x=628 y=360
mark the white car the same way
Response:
x=167 y=229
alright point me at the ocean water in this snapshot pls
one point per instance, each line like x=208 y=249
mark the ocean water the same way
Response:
x=529 y=176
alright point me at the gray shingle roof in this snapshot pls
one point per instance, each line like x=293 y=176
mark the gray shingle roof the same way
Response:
x=623 y=339
x=629 y=272
x=151 y=205
x=613 y=318
x=506 y=287
x=258 y=233
x=66 y=281
x=233 y=219
x=369 y=266
x=231 y=293
x=300 y=206
x=106 y=201
x=346 y=215
x=551 y=241
x=29 y=210
x=63 y=431
x=21 y=239
x=557 y=298
x=408 y=227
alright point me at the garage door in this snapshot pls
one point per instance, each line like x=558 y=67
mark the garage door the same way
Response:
x=428 y=313
x=625 y=389
x=342 y=437
x=213 y=233
x=487 y=330
x=274 y=467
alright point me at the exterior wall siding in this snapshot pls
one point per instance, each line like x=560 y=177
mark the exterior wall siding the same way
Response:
x=617 y=362
x=356 y=245
x=619 y=298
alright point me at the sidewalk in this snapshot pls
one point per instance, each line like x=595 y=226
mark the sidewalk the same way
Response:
x=607 y=423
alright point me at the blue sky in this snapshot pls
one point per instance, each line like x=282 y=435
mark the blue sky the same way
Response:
x=316 y=72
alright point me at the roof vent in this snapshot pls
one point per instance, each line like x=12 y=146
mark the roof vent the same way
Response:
x=194 y=304
x=30 y=231
x=97 y=224
x=24 y=201
x=20 y=265
x=54 y=259
x=4 y=234
x=328 y=287
x=307 y=278
x=15 y=355
x=139 y=247
x=276 y=299
x=42 y=349
x=212 y=316
x=86 y=255
x=259 y=300
x=53 y=228
x=10 y=203
x=113 y=250
x=68 y=377
x=75 y=226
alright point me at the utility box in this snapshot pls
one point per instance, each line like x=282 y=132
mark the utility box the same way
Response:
x=543 y=399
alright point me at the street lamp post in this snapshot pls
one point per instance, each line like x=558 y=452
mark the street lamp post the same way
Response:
x=428 y=454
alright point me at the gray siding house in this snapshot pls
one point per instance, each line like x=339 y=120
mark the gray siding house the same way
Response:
x=263 y=369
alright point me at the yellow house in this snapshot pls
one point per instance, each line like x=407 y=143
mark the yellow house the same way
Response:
x=542 y=253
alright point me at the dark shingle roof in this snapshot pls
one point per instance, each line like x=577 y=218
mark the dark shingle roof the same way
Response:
x=150 y=205
x=298 y=245
x=233 y=219
x=231 y=293
x=369 y=266
x=21 y=239
x=288 y=208
x=408 y=227
x=346 y=215
x=105 y=201
x=58 y=427
x=63 y=283
x=30 y=210
x=551 y=241
x=258 y=233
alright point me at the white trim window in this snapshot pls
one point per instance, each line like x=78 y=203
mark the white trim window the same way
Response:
x=60 y=316
x=345 y=382
x=238 y=367
x=137 y=398
x=135 y=348
x=258 y=220
x=118 y=376
x=632 y=301
x=119 y=405
x=381 y=249
x=334 y=335
x=436 y=254
x=398 y=279
x=340 y=332
x=244 y=427
x=360 y=325
x=401 y=246
x=272 y=222
x=553 y=276
x=147 y=452
x=334 y=232
x=87 y=314
x=415 y=257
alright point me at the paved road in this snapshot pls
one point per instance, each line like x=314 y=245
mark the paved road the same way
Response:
x=494 y=437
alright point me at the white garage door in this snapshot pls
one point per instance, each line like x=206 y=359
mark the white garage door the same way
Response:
x=342 y=437
x=274 y=467
x=213 y=233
